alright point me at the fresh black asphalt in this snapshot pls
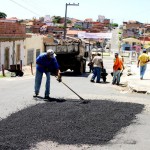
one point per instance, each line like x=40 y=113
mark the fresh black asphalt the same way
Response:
x=66 y=122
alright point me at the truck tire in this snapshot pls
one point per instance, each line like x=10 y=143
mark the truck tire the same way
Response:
x=82 y=67
x=79 y=69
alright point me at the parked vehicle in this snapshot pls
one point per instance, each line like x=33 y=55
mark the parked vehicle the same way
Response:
x=70 y=55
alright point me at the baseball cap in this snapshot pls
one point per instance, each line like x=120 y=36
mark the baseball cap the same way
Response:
x=144 y=50
x=51 y=52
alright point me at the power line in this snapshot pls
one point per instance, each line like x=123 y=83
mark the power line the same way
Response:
x=34 y=5
x=24 y=7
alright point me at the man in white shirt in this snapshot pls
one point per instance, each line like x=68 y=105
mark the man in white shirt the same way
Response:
x=97 y=68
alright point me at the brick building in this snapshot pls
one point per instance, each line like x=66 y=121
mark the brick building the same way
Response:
x=12 y=36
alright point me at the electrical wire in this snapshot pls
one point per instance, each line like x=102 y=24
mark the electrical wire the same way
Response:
x=24 y=7
x=34 y=5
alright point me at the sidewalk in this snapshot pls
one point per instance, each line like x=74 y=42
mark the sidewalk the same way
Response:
x=134 y=81
x=26 y=70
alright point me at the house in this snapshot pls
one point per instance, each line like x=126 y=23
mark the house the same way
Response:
x=88 y=20
x=84 y=25
x=12 y=36
x=133 y=25
x=36 y=26
x=73 y=33
x=16 y=46
x=98 y=26
x=106 y=22
x=131 y=29
x=12 y=19
x=57 y=31
x=28 y=24
x=34 y=45
x=147 y=27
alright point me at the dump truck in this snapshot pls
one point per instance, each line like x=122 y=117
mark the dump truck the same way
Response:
x=70 y=55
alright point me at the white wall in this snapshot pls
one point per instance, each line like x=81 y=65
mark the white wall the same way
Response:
x=7 y=44
x=33 y=43
x=22 y=50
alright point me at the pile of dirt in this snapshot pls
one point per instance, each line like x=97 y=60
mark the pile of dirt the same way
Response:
x=69 y=122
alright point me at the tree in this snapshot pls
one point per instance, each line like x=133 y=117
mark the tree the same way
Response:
x=78 y=27
x=56 y=19
x=2 y=15
x=114 y=24
x=69 y=21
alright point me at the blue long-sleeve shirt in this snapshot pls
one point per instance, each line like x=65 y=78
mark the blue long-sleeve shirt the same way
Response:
x=44 y=64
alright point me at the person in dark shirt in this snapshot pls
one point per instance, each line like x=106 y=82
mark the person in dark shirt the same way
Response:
x=46 y=63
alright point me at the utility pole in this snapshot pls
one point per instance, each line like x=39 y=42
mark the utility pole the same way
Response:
x=144 y=37
x=65 y=22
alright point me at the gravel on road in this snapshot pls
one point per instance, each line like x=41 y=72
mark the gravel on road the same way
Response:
x=66 y=122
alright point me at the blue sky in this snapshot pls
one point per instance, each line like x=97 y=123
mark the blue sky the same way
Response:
x=116 y=10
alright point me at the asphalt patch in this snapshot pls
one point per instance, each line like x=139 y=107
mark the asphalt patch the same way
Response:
x=70 y=122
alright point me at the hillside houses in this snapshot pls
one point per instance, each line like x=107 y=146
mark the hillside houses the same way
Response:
x=23 y=40
x=138 y=31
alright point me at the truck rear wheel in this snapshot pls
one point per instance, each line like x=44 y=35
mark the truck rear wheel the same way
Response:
x=82 y=67
x=79 y=68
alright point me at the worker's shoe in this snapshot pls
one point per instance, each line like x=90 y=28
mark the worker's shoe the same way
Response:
x=35 y=95
x=47 y=97
x=92 y=80
x=117 y=83
x=113 y=83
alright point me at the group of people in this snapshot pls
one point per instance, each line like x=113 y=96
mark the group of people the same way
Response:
x=96 y=64
x=46 y=63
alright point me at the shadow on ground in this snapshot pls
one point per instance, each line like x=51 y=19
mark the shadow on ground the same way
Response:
x=69 y=122
x=73 y=74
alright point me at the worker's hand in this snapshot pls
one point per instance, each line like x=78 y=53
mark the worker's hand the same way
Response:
x=138 y=65
x=59 y=79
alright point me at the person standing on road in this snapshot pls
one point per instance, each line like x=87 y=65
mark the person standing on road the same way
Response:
x=117 y=67
x=46 y=63
x=97 y=68
x=142 y=62
x=90 y=64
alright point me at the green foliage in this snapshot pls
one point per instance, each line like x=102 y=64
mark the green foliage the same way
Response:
x=78 y=27
x=114 y=24
x=2 y=15
x=61 y=27
x=69 y=21
x=56 y=19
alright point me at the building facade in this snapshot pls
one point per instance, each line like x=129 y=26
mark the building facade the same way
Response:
x=12 y=36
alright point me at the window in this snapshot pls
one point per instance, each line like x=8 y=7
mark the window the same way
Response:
x=30 y=56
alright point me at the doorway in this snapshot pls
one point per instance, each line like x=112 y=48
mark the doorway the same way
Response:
x=6 y=58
